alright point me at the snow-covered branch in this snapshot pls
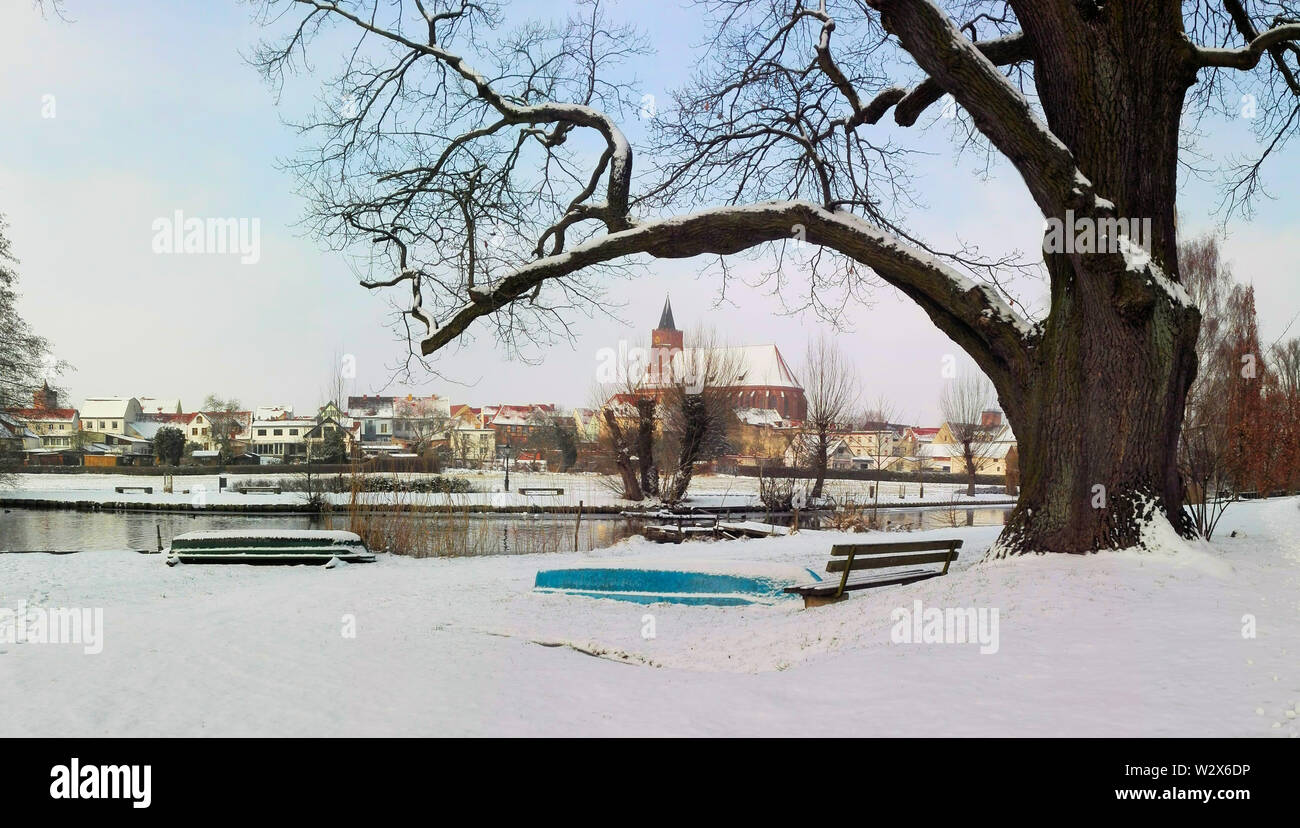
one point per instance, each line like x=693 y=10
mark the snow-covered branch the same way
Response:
x=970 y=312
x=1247 y=57
x=1002 y=114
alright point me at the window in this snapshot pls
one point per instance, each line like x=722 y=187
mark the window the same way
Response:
x=101 y=425
x=278 y=432
x=293 y=432
x=261 y=432
x=115 y=424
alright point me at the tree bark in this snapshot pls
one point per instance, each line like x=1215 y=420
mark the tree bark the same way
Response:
x=968 y=454
x=820 y=462
x=623 y=458
x=1097 y=425
x=645 y=435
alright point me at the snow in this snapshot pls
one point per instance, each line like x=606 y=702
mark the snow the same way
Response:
x=1118 y=644
x=1138 y=260
x=333 y=536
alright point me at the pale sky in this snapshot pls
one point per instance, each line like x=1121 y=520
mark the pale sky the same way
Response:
x=156 y=111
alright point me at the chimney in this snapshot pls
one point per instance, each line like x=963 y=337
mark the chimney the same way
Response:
x=991 y=418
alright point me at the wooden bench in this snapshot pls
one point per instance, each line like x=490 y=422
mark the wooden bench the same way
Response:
x=258 y=489
x=125 y=489
x=543 y=490
x=903 y=559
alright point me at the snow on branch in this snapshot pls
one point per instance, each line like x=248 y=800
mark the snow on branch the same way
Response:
x=1247 y=57
x=973 y=313
x=1002 y=114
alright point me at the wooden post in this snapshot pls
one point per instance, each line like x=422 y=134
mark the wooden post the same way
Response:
x=158 y=529
x=577 y=526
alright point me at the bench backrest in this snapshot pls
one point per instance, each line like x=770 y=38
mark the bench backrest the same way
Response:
x=851 y=556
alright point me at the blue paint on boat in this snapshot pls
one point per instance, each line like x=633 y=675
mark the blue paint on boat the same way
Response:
x=650 y=586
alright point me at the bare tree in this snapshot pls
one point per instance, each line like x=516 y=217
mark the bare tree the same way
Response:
x=882 y=443
x=25 y=357
x=633 y=404
x=697 y=408
x=830 y=384
x=226 y=419
x=963 y=403
x=424 y=423
x=623 y=447
x=490 y=176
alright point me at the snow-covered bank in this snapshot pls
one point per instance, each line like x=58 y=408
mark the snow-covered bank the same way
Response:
x=1114 y=644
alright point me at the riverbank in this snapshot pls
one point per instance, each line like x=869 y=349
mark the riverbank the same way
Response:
x=592 y=493
x=1133 y=643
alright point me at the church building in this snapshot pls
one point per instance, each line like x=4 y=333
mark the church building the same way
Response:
x=763 y=379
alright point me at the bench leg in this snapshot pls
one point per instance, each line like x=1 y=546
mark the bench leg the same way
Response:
x=810 y=601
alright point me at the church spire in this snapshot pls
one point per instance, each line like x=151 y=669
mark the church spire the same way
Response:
x=666 y=318
x=666 y=335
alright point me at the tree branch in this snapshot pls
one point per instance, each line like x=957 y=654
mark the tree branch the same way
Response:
x=1000 y=112
x=972 y=313
x=1248 y=57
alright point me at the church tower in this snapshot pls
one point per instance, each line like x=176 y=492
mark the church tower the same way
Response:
x=45 y=397
x=666 y=335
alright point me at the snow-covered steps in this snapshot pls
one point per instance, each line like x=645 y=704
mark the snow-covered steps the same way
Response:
x=263 y=546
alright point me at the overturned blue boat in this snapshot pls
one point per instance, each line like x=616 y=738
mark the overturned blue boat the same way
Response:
x=268 y=546
x=654 y=586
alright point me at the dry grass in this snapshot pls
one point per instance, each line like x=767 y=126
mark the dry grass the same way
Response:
x=387 y=522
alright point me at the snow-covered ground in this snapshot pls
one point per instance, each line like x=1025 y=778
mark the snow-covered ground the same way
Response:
x=590 y=489
x=1114 y=644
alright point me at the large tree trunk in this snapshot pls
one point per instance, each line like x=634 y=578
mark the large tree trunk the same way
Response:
x=1098 y=433
x=1097 y=425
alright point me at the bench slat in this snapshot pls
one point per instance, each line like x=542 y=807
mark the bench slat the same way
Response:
x=831 y=587
x=885 y=548
x=871 y=562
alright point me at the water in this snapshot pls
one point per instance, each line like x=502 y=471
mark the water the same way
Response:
x=943 y=518
x=70 y=530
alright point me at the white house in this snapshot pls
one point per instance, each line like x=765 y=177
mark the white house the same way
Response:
x=282 y=439
x=109 y=415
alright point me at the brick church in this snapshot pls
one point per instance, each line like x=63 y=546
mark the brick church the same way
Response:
x=763 y=378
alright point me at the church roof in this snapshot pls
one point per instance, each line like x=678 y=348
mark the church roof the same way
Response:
x=751 y=366
x=666 y=318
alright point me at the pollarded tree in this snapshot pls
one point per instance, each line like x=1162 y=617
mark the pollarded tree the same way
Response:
x=496 y=180
x=830 y=384
x=963 y=404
